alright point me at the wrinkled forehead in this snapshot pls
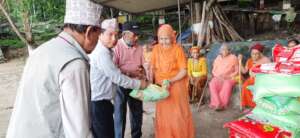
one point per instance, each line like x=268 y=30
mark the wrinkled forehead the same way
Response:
x=255 y=51
x=292 y=43
x=111 y=32
x=194 y=52
x=224 y=47
x=128 y=33
x=165 y=36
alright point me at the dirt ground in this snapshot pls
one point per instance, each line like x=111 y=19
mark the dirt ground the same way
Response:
x=208 y=123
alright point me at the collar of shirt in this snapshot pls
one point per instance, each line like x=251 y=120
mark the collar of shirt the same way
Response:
x=125 y=45
x=104 y=48
x=74 y=43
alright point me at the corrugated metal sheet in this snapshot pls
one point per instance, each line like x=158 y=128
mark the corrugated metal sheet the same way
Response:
x=139 y=6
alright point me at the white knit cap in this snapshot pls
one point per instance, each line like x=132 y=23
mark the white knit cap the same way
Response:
x=110 y=24
x=83 y=12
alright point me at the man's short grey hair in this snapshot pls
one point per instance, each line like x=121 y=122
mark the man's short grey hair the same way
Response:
x=125 y=32
x=225 y=45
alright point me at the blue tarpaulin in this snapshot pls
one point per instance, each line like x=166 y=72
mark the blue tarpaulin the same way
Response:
x=184 y=36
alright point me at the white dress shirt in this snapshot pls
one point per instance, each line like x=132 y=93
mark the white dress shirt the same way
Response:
x=105 y=75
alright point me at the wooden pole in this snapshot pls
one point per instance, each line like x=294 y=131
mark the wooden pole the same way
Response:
x=240 y=85
x=202 y=31
x=179 y=19
x=111 y=13
x=214 y=24
x=202 y=95
x=192 y=19
x=197 y=12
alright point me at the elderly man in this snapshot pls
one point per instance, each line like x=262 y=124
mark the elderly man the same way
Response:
x=54 y=93
x=128 y=56
x=105 y=76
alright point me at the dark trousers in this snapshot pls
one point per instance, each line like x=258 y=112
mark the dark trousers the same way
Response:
x=102 y=119
x=136 y=113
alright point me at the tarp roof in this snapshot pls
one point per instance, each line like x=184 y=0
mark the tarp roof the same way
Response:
x=139 y=6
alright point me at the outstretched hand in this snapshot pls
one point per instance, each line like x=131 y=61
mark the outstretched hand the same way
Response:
x=144 y=84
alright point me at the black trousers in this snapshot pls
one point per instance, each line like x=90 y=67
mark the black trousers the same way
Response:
x=102 y=119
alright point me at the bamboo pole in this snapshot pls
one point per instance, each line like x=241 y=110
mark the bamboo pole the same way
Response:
x=192 y=18
x=202 y=95
x=197 y=12
x=221 y=28
x=201 y=31
x=240 y=86
x=179 y=19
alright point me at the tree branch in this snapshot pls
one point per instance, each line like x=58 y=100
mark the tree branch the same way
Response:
x=15 y=29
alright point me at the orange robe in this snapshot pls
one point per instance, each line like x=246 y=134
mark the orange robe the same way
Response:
x=173 y=115
x=247 y=97
x=246 y=93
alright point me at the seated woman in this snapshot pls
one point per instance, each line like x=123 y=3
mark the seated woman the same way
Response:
x=225 y=70
x=285 y=54
x=292 y=43
x=197 y=72
x=257 y=58
x=173 y=117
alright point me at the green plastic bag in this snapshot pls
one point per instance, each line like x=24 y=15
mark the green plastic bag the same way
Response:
x=288 y=122
x=288 y=105
x=294 y=106
x=279 y=101
x=267 y=85
x=152 y=93
x=266 y=119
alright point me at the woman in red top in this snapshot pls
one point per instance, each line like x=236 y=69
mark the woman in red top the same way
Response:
x=257 y=58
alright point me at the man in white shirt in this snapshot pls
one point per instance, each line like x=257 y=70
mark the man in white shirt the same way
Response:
x=54 y=93
x=105 y=77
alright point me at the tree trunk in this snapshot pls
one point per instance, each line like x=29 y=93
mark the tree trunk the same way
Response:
x=13 y=25
x=15 y=29
x=27 y=27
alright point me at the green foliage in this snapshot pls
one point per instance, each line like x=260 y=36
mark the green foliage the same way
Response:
x=144 y=19
x=15 y=43
x=44 y=17
x=40 y=10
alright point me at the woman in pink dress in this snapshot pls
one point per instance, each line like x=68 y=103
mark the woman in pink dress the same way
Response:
x=225 y=70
